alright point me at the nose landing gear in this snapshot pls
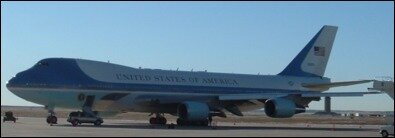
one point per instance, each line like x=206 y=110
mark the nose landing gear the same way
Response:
x=51 y=119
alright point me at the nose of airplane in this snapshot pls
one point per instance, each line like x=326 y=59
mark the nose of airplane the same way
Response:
x=20 y=80
x=17 y=80
x=11 y=83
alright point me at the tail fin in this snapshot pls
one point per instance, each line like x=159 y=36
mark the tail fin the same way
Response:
x=312 y=60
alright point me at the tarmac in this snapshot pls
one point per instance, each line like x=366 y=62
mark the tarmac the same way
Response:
x=37 y=127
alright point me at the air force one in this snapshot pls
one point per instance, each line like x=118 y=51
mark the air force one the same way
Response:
x=105 y=89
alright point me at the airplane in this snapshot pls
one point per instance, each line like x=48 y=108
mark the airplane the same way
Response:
x=109 y=89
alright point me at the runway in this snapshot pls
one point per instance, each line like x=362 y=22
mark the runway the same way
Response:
x=37 y=127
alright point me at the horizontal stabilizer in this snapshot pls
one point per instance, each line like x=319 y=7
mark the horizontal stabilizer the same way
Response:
x=338 y=94
x=384 y=86
x=334 y=84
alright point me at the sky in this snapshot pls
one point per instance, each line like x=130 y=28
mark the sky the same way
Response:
x=228 y=37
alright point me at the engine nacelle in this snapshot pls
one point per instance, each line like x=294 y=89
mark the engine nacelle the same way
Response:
x=281 y=108
x=193 y=111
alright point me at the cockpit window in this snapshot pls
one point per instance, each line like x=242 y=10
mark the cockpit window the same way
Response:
x=42 y=63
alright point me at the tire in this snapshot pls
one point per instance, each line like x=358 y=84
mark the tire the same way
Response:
x=97 y=123
x=172 y=126
x=205 y=123
x=54 y=120
x=48 y=120
x=384 y=134
x=153 y=120
x=180 y=122
x=74 y=122
x=162 y=121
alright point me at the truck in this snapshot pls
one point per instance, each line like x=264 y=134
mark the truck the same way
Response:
x=387 y=131
x=9 y=116
x=76 y=118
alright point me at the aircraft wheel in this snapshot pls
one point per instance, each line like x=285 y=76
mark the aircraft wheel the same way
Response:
x=204 y=123
x=180 y=122
x=153 y=120
x=162 y=121
x=52 y=119
x=157 y=120
x=384 y=134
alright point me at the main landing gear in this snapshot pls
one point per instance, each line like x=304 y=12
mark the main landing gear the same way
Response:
x=159 y=119
x=203 y=122
x=183 y=122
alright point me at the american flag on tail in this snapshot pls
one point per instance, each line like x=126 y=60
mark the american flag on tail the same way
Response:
x=319 y=51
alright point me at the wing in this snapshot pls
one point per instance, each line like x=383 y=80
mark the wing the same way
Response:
x=230 y=102
x=274 y=95
x=160 y=99
x=257 y=96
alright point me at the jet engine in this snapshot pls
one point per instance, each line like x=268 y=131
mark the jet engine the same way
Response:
x=193 y=111
x=281 y=108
